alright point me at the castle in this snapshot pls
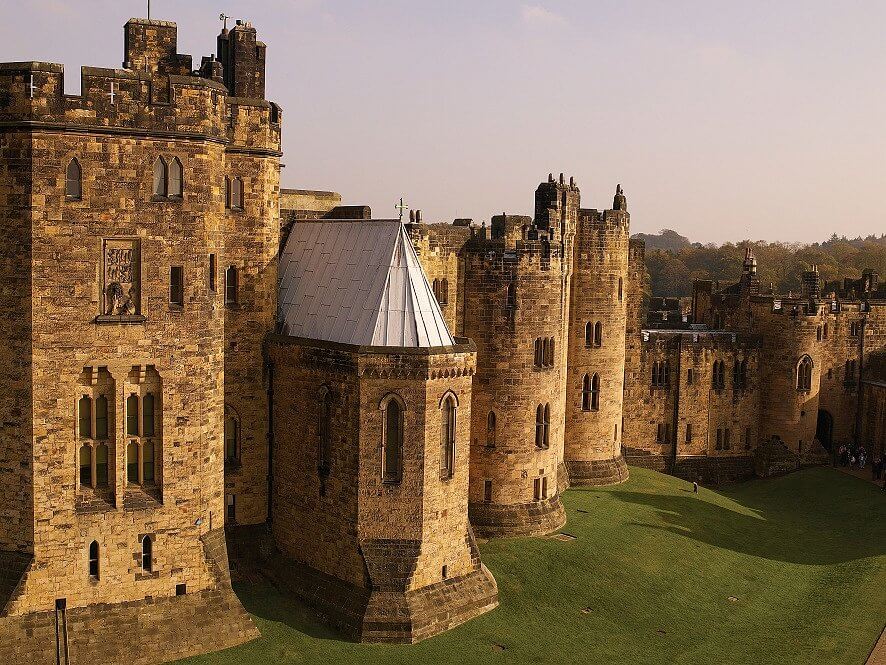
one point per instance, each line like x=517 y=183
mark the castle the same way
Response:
x=198 y=361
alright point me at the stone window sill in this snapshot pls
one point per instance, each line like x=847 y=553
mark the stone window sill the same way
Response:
x=123 y=319
x=156 y=198
x=175 y=307
x=147 y=576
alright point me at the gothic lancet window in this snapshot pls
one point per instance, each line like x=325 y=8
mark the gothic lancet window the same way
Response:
x=74 y=181
x=392 y=439
x=447 y=436
x=161 y=177
x=176 y=179
x=804 y=374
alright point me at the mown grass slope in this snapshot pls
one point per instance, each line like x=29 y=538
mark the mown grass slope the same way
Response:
x=786 y=570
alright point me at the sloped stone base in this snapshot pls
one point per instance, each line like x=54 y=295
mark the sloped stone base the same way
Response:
x=537 y=518
x=773 y=458
x=369 y=615
x=597 y=472
x=814 y=454
x=139 y=633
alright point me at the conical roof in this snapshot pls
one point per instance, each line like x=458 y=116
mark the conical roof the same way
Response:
x=358 y=283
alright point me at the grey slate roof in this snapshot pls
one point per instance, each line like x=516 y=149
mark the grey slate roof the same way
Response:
x=357 y=282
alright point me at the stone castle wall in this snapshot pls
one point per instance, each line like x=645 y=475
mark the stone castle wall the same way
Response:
x=510 y=385
x=598 y=296
x=16 y=309
x=375 y=548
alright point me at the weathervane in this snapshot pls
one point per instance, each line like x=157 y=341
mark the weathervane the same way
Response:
x=401 y=207
x=224 y=17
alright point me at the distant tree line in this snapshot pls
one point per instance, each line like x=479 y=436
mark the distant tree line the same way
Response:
x=674 y=262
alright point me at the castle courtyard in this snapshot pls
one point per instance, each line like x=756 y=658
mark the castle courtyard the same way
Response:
x=783 y=570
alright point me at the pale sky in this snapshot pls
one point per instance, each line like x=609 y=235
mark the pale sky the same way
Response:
x=723 y=120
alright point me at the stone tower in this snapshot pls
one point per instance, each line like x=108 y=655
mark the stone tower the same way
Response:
x=516 y=305
x=113 y=213
x=595 y=381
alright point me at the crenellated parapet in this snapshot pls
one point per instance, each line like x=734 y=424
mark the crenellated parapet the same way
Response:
x=155 y=95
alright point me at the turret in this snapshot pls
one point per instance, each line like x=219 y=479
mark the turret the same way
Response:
x=243 y=59
x=597 y=323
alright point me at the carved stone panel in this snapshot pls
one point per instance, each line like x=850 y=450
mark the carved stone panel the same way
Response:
x=121 y=279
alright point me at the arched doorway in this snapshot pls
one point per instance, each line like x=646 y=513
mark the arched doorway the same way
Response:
x=824 y=430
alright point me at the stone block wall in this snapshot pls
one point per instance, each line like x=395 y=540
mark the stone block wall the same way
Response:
x=598 y=300
x=16 y=389
x=351 y=534
x=509 y=384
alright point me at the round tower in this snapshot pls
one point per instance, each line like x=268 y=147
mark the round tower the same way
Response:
x=792 y=364
x=515 y=307
x=595 y=381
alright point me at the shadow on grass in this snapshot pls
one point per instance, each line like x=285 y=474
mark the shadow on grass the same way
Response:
x=837 y=520
x=264 y=600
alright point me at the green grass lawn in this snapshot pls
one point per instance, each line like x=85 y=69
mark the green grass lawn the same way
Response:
x=786 y=570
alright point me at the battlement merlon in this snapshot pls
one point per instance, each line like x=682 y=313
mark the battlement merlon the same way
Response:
x=132 y=102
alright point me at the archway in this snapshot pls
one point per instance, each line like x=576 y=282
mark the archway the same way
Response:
x=824 y=430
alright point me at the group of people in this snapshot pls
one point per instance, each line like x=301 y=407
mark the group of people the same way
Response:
x=857 y=456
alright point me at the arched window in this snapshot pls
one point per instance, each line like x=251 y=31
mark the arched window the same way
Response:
x=595 y=393
x=739 y=374
x=589 y=334
x=227 y=193
x=490 y=429
x=586 y=393
x=512 y=296
x=85 y=465
x=538 y=357
x=447 y=439
x=231 y=286
x=147 y=554
x=161 y=177
x=540 y=426
x=232 y=437
x=237 y=194
x=148 y=461
x=101 y=417
x=435 y=287
x=444 y=292
x=148 y=415
x=101 y=465
x=324 y=433
x=176 y=178
x=93 y=560
x=132 y=415
x=804 y=374
x=84 y=413
x=598 y=333
x=824 y=332
x=620 y=289
x=818 y=334
x=132 y=462
x=74 y=181
x=392 y=453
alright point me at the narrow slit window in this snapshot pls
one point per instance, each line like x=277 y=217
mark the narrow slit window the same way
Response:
x=74 y=181
x=177 y=286
x=231 y=286
x=147 y=554
x=93 y=560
